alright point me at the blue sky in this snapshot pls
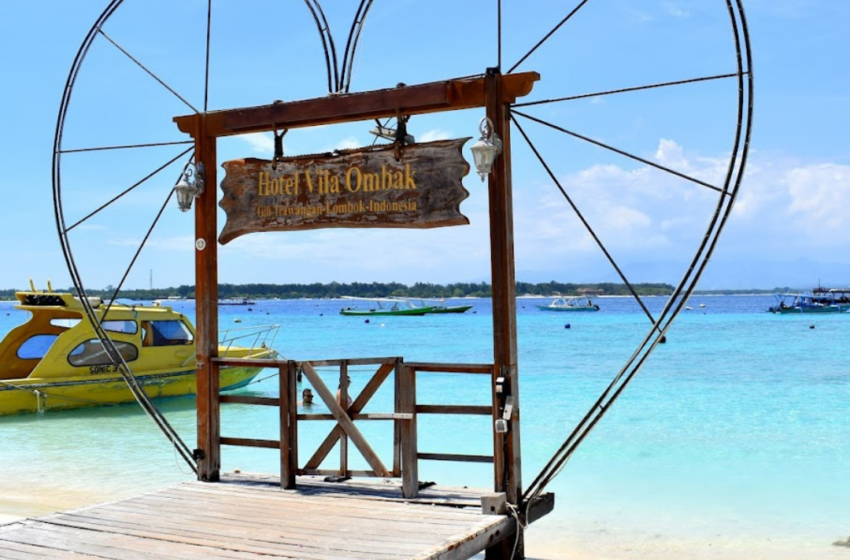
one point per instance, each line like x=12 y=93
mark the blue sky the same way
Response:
x=789 y=227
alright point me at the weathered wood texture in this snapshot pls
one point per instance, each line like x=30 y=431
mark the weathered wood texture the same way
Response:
x=448 y=95
x=254 y=521
x=362 y=188
x=206 y=299
x=508 y=471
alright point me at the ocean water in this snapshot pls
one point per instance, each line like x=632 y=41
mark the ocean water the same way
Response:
x=733 y=436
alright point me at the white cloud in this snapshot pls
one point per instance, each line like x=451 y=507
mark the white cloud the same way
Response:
x=260 y=142
x=677 y=11
x=347 y=143
x=819 y=196
x=434 y=135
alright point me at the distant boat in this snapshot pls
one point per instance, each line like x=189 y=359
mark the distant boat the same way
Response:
x=819 y=300
x=401 y=306
x=385 y=306
x=235 y=301
x=451 y=309
x=570 y=304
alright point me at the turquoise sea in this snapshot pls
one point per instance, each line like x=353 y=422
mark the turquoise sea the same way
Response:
x=732 y=442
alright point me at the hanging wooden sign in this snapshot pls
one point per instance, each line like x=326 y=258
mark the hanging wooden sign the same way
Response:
x=362 y=188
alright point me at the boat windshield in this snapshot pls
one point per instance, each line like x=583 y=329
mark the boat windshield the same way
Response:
x=166 y=333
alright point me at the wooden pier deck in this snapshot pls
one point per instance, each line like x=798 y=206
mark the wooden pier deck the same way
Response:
x=249 y=517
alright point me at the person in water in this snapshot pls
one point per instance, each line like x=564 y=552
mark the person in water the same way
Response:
x=306 y=397
x=339 y=392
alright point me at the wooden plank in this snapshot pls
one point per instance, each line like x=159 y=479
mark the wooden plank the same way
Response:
x=408 y=433
x=352 y=362
x=454 y=409
x=268 y=519
x=461 y=93
x=331 y=472
x=344 y=421
x=359 y=403
x=316 y=511
x=467 y=545
x=267 y=544
x=244 y=399
x=450 y=368
x=249 y=514
x=88 y=544
x=244 y=442
x=238 y=529
x=206 y=310
x=384 y=490
x=263 y=498
x=455 y=457
x=363 y=488
x=249 y=362
x=20 y=551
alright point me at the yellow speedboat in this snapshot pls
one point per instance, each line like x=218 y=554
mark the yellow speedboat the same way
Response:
x=55 y=360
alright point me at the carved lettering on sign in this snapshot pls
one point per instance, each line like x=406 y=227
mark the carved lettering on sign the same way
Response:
x=362 y=188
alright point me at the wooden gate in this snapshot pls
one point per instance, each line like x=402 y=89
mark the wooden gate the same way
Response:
x=345 y=412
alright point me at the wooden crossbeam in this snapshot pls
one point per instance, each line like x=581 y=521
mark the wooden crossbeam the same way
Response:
x=359 y=403
x=344 y=421
x=448 y=95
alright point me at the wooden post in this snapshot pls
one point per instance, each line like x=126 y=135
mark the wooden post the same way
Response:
x=397 y=422
x=507 y=456
x=343 y=402
x=409 y=444
x=206 y=298
x=287 y=474
x=293 y=420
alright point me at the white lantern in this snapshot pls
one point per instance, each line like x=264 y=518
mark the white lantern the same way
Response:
x=484 y=151
x=188 y=190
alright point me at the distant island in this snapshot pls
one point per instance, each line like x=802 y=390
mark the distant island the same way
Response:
x=395 y=289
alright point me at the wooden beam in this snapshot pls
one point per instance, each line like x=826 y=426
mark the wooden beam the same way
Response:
x=451 y=368
x=244 y=399
x=206 y=298
x=448 y=95
x=507 y=468
x=245 y=442
x=455 y=457
x=454 y=409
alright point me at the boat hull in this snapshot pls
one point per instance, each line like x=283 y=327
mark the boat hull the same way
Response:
x=454 y=309
x=813 y=309
x=19 y=395
x=419 y=311
x=568 y=308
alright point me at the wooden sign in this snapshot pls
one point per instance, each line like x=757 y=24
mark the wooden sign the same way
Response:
x=362 y=188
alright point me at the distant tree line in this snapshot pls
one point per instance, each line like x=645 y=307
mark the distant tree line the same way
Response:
x=378 y=289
